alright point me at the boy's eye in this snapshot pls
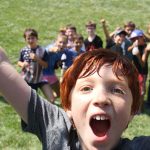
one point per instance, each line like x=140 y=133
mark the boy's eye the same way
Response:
x=86 y=89
x=118 y=91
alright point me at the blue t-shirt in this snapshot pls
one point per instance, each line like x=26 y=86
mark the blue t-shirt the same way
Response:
x=52 y=59
x=68 y=58
x=75 y=53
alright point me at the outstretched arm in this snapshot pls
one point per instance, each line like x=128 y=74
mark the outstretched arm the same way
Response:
x=13 y=87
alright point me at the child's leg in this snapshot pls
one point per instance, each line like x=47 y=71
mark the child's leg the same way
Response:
x=148 y=93
x=47 y=91
x=56 y=88
x=142 y=81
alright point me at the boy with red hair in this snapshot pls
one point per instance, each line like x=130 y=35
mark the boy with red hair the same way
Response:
x=100 y=96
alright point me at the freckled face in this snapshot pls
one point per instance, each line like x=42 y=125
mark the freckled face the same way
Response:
x=101 y=109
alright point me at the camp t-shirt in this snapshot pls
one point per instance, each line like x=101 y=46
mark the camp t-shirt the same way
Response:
x=53 y=128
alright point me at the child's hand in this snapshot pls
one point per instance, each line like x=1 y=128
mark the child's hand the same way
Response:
x=25 y=64
x=135 y=44
x=102 y=21
x=33 y=56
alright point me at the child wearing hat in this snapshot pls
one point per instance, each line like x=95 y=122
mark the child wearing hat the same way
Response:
x=117 y=40
x=138 y=48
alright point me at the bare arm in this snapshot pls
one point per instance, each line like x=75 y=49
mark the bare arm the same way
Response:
x=13 y=87
x=22 y=64
x=106 y=32
x=146 y=53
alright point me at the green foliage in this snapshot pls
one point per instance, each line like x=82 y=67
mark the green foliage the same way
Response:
x=47 y=16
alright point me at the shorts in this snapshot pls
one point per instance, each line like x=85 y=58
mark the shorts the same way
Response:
x=142 y=82
x=51 y=79
x=35 y=86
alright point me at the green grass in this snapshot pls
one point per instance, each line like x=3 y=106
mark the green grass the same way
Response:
x=47 y=17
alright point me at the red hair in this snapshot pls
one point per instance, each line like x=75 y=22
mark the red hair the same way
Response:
x=90 y=62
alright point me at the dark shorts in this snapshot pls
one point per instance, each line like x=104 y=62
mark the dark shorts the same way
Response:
x=35 y=86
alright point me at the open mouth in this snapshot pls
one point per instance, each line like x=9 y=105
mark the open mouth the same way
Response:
x=100 y=125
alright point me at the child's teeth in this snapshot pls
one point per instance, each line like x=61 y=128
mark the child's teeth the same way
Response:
x=98 y=118
x=103 y=117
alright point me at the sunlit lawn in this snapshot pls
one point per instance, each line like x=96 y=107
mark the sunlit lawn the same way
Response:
x=47 y=17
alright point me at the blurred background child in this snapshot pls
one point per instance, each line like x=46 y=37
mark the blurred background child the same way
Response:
x=32 y=60
x=71 y=31
x=139 y=46
x=93 y=41
x=117 y=40
x=54 y=58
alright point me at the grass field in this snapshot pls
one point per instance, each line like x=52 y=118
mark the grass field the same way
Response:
x=47 y=17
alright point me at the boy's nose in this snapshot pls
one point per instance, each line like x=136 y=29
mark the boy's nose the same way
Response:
x=101 y=99
x=30 y=40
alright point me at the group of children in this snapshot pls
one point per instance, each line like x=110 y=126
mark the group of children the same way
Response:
x=39 y=63
x=134 y=44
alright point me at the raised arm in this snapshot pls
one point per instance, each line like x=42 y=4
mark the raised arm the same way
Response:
x=106 y=32
x=146 y=53
x=13 y=87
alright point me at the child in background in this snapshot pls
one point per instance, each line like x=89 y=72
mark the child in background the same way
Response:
x=147 y=38
x=71 y=31
x=77 y=48
x=62 y=31
x=32 y=60
x=139 y=47
x=117 y=40
x=93 y=41
x=145 y=60
x=129 y=27
x=54 y=57
x=100 y=96
x=70 y=54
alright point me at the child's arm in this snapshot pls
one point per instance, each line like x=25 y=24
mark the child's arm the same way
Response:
x=106 y=32
x=22 y=64
x=13 y=87
x=146 y=53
